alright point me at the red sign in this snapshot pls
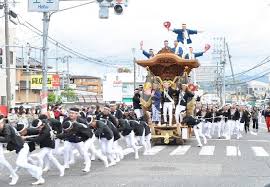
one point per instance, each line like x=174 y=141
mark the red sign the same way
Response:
x=3 y=110
x=55 y=81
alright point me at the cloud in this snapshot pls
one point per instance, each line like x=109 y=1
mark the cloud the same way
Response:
x=244 y=23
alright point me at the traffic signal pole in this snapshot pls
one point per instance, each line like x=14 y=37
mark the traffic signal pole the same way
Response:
x=44 y=94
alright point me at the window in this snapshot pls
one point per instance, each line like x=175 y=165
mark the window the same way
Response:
x=11 y=57
x=3 y=100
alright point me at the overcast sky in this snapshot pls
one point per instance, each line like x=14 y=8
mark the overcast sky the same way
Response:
x=244 y=23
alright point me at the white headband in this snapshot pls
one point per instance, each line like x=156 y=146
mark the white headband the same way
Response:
x=70 y=124
x=22 y=128
x=39 y=123
x=105 y=107
x=92 y=118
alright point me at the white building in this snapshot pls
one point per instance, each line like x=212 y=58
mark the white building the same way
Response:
x=120 y=86
x=258 y=88
x=3 y=69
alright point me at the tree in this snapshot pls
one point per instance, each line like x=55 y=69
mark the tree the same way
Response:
x=69 y=94
x=52 y=98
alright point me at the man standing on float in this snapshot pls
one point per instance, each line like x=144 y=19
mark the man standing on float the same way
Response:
x=183 y=37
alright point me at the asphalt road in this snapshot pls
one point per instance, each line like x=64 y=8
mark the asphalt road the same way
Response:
x=221 y=163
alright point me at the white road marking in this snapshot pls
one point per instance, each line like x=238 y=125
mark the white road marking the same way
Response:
x=207 y=150
x=130 y=150
x=155 y=150
x=235 y=140
x=232 y=151
x=259 y=151
x=180 y=150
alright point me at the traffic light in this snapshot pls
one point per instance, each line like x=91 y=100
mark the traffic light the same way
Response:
x=104 y=5
x=118 y=6
x=118 y=9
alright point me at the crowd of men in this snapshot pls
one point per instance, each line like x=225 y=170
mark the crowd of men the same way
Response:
x=60 y=132
x=170 y=107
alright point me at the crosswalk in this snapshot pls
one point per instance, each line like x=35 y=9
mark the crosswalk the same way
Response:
x=181 y=150
x=233 y=151
x=209 y=150
x=259 y=151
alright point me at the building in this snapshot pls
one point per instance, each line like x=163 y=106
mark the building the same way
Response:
x=26 y=90
x=3 y=94
x=120 y=86
x=87 y=88
x=87 y=83
x=206 y=77
x=257 y=88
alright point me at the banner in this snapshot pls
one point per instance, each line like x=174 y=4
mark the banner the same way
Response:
x=53 y=81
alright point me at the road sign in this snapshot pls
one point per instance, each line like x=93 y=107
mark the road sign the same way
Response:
x=43 y=5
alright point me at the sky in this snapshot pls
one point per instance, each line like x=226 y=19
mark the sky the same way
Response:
x=244 y=23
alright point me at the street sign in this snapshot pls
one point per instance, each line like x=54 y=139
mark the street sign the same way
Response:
x=43 y=5
x=53 y=81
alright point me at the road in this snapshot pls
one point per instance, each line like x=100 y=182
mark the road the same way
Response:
x=221 y=163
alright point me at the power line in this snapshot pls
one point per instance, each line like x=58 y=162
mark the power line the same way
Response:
x=264 y=61
x=69 y=8
x=63 y=46
x=245 y=81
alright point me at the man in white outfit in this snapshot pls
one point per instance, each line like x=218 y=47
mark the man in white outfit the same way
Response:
x=105 y=135
x=75 y=133
x=168 y=102
x=14 y=141
x=127 y=131
x=45 y=139
x=216 y=125
x=196 y=124
x=181 y=105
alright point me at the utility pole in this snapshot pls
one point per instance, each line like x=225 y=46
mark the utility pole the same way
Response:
x=56 y=69
x=234 y=82
x=223 y=73
x=66 y=59
x=68 y=77
x=27 y=72
x=134 y=67
x=44 y=95
x=219 y=57
x=8 y=83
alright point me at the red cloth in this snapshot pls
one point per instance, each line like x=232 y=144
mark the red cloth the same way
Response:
x=56 y=114
x=268 y=122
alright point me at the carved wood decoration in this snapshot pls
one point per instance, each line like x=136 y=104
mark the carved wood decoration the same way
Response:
x=168 y=65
